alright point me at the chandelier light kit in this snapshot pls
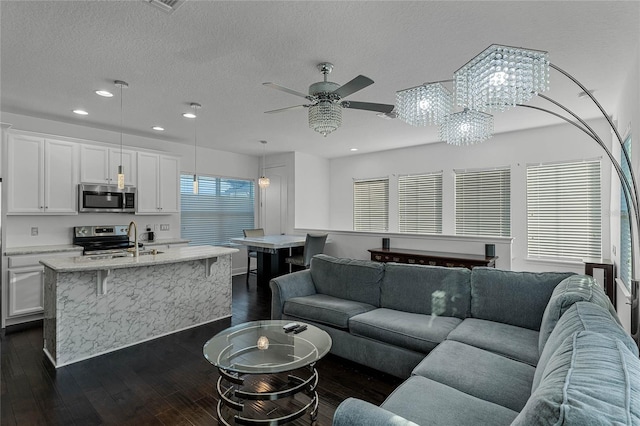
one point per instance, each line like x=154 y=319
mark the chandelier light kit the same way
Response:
x=195 y=106
x=502 y=77
x=121 y=85
x=264 y=181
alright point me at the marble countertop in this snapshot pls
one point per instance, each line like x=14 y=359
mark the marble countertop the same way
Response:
x=172 y=255
x=16 y=251
x=61 y=248
x=272 y=241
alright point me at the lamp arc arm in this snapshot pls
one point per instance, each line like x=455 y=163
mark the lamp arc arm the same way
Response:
x=614 y=162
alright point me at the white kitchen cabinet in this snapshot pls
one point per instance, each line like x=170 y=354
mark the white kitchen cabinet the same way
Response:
x=25 y=286
x=158 y=184
x=99 y=165
x=26 y=295
x=42 y=176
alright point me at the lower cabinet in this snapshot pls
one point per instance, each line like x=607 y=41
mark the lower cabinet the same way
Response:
x=24 y=287
x=26 y=291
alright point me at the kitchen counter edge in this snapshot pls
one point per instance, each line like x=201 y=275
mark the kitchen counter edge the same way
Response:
x=172 y=255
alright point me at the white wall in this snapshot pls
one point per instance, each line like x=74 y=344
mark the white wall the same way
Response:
x=311 y=191
x=514 y=150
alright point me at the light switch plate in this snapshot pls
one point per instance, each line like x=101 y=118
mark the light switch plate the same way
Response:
x=34 y=231
x=164 y=227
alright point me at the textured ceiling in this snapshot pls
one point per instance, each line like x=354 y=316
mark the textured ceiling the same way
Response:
x=55 y=54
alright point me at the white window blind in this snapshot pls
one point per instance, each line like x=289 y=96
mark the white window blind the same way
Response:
x=371 y=205
x=625 y=236
x=420 y=203
x=483 y=202
x=220 y=211
x=564 y=210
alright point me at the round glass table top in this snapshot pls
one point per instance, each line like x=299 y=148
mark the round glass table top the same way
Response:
x=263 y=347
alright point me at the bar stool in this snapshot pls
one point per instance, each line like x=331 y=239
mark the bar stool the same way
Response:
x=258 y=232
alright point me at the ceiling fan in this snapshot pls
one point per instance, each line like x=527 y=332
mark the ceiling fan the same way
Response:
x=327 y=100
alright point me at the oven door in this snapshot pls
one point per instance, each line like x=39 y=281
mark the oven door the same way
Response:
x=105 y=199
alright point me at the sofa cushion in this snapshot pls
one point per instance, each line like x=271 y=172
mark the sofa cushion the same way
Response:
x=516 y=298
x=571 y=290
x=429 y=290
x=427 y=402
x=591 y=379
x=349 y=279
x=416 y=332
x=325 y=309
x=485 y=375
x=581 y=316
x=507 y=340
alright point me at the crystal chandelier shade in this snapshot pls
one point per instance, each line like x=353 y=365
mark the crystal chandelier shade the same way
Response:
x=501 y=77
x=263 y=181
x=466 y=127
x=424 y=105
x=325 y=117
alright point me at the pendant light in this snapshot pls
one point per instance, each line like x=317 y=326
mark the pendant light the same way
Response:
x=263 y=182
x=121 y=85
x=195 y=106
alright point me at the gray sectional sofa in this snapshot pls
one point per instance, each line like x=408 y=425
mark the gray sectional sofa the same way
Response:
x=480 y=347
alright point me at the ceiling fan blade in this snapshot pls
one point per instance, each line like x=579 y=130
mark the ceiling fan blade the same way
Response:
x=358 y=83
x=368 y=106
x=286 y=109
x=291 y=91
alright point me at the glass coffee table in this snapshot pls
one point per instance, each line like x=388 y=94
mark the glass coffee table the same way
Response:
x=267 y=375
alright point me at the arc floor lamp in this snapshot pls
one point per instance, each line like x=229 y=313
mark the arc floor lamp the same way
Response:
x=501 y=77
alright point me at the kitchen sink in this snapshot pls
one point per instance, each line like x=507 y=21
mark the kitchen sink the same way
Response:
x=147 y=252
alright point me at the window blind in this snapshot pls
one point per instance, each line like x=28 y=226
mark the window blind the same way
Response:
x=625 y=237
x=220 y=211
x=483 y=202
x=371 y=205
x=564 y=210
x=420 y=203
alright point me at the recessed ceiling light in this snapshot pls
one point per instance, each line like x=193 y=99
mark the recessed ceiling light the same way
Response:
x=353 y=149
x=158 y=128
x=189 y=115
x=80 y=112
x=104 y=93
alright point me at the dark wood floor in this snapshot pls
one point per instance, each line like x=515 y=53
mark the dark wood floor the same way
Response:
x=163 y=382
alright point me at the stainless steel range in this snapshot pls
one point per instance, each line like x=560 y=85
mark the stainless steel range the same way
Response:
x=102 y=239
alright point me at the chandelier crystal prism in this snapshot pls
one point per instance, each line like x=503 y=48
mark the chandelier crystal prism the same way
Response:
x=424 y=105
x=325 y=117
x=500 y=78
x=466 y=127
x=263 y=181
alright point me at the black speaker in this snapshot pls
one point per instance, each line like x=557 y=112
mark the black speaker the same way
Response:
x=489 y=250
x=385 y=244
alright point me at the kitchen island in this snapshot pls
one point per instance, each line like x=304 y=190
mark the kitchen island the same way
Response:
x=95 y=305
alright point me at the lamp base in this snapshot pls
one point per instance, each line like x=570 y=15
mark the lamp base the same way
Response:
x=635 y=307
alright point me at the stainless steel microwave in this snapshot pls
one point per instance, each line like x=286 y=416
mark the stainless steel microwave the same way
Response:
x=106 y=199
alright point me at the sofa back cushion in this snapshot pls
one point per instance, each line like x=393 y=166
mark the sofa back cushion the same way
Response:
x=573 y=289
x=430 y=290
x=515 y=298
x=357 y=280
x=591 y=379
x=581 y=316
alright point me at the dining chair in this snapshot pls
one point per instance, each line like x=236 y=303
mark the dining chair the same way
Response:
x=313 y=244
x=258 y=232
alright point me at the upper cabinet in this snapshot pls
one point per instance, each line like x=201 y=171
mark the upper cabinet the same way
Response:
x=99 y=165
x=42 y=175
x=158 y=184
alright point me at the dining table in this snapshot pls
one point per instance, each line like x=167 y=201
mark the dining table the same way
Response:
x=272 y=250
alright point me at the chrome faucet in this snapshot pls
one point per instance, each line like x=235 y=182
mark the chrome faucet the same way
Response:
x=136 y=253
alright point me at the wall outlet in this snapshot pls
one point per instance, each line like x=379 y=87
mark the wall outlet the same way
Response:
x=34 y=231
x=164 y=226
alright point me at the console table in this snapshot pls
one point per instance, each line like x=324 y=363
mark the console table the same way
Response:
x=433 y=258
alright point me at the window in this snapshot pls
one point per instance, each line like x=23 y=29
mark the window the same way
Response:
x=625 y=236
x=420 y=203
x=220 y=211
x=564 y=210
x=483 y=202
x=371 y=205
